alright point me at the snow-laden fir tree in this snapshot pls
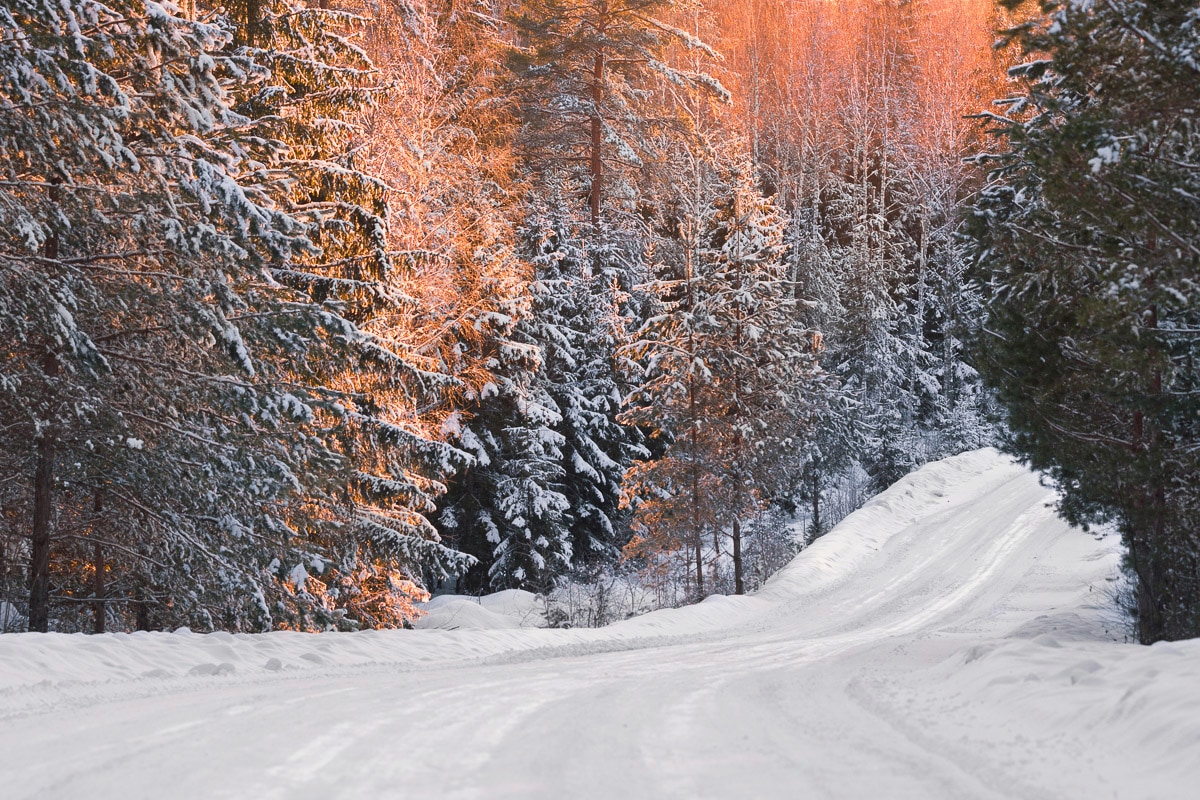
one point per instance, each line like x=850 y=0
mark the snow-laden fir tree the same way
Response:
x=127 y=241
x=578 y=323
x=581 y=76
x=874 y=359
x=837 y=441
x=192 y=270
x=508 y=509
x=544 y=495
x=1089 y=236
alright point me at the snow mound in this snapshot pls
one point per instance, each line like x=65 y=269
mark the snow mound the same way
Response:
x=505 y=610
x=453 y=613
x=525 y=607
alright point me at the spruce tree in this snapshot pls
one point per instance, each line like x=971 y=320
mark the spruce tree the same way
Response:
x=186 y=317
x=1089 y=237
x=577 y=321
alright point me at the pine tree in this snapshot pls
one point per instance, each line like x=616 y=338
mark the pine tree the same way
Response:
x=731 y=382
x=586 y=73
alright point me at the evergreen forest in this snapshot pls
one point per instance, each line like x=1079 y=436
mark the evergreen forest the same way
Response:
x=312 y=308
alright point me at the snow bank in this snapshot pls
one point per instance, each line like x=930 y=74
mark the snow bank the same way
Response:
x=1144 y=697
x=932 y=489
x=1087 y=705
x=505 y=610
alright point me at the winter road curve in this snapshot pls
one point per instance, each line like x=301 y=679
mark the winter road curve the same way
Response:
x=862 y=671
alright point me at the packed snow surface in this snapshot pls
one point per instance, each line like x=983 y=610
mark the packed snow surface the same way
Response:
x=953 y=639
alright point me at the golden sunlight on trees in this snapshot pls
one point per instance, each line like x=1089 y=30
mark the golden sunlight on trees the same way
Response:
x=806 y=70
x=853 y=119
x=383 y=298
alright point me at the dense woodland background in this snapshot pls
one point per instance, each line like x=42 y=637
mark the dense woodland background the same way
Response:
x=309 y=309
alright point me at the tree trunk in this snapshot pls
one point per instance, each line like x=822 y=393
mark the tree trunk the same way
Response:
x=98 y=589
x=816 y=504
x=1143 y=555
x=919 y=321
x=43 y=477
x=143 y=621
x=4 y=540
x=739 y=583
x=253 y=22
x=949 y=372
x=39 y=569
x=1157 y=587
x=696 y=532
x=595 y=193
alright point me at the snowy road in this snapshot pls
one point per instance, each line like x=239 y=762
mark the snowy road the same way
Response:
x=939 y=644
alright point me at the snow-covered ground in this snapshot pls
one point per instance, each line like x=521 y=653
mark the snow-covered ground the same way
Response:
x=952 y=639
